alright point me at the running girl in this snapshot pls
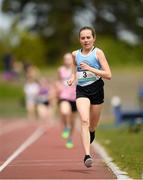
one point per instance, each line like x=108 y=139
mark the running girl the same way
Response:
x=67 y=99
x=90 y=66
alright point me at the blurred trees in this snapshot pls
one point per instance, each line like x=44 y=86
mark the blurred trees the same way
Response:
x=56 y=21
x=31 y=49
x=52 y=20
x=112 y=16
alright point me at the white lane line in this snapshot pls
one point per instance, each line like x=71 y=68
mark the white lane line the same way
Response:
x=108 y=160
x=35 y=136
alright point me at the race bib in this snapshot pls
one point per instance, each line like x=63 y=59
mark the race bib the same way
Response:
x=84 y=76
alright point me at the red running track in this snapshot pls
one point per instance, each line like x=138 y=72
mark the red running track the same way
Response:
x=46 y=157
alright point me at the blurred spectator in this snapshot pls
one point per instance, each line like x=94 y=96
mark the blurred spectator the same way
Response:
x=140 y=96
x=7 y=63
x=12 y=68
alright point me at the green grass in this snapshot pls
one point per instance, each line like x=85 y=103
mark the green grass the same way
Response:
x=125 y=148
x=12 y=109
x=10 y=90
x=120 y=54
x=11 y=99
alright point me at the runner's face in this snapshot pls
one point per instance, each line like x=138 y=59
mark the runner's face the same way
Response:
x=68 y=60
x=86 y=39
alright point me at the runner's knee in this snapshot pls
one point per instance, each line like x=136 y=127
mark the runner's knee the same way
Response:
x=85 y=122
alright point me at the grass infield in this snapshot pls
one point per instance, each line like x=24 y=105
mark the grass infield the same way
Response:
x=126 y=148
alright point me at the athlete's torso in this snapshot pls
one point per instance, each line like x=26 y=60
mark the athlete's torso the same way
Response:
x=85 y=77
x=67 y=92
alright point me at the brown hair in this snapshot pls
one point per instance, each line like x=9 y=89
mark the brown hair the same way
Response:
x=89 y=28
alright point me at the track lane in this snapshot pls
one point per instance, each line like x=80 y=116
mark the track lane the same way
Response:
x=47 y=158
x=11 y=140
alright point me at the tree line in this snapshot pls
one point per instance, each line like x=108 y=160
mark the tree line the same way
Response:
x=57 y=22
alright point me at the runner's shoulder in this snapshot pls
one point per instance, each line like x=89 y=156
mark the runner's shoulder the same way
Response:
x=74 y=53
x=98 y=50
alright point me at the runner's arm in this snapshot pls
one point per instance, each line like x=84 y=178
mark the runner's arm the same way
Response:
x=73 y=76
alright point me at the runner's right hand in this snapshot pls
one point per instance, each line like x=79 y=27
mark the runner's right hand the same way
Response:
x=71 y=80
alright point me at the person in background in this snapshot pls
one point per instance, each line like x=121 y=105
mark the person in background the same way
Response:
x=67 y=97
x=43 y=101
x=17 y=70
x=90 y=66
x=140 y=97
x=32 y=71
x=8 y=60
x=31 y=90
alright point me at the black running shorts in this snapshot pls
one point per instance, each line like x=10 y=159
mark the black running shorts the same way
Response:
x=94 y=92
x=72 y=104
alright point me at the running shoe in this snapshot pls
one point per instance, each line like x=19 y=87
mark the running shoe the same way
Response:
x=65 y=133
x=88 y=161
x=69 y=144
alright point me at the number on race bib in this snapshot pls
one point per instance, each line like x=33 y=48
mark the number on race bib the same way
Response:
x=84 y=74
